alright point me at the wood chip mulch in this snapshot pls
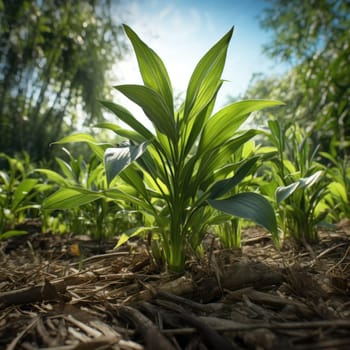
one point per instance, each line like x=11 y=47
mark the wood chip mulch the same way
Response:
x=250 y=298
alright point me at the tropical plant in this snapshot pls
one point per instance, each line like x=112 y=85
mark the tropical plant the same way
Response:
x=19 y=194
x=338 y=198
x=178 y=174
x=297 y=181
x=85 y=212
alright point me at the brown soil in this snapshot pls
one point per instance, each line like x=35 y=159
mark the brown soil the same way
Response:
x=250 y=298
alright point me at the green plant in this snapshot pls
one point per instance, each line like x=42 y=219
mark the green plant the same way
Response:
x=297 y=181
x=19 y=194
x=339 y=187
x=186 y=163
x=180 y=175
x=85 y=211
x=229 y=231
x=316 y=88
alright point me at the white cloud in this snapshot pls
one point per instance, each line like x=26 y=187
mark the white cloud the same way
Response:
x=167 y=10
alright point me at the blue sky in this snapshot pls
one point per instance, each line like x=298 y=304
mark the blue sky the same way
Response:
x=182 y=31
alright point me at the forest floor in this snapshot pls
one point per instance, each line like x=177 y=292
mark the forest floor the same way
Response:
x=255 y=297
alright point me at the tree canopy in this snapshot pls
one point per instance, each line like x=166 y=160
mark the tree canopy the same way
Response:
x=314 y=37
x=54 y=57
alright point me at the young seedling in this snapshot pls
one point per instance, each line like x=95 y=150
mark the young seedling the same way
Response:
x=299 y=182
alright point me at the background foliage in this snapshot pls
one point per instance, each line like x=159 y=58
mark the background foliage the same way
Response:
x=313 y=37
x=54 y=57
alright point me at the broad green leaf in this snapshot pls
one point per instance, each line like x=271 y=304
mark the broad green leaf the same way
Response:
x=128 y=134
x=194 y=126
x=134 y=177
x=53 y=176
x=124 y=115
x=222 y=125
x=154 y=106
x=156 y=185
x=97 y=147
x=251 y=206
x=153 y=163
x=22 y=190
x=78 y=137
x=68 y=198
x=222 y=187
x=125 y=194
x=206 y=76
x=117 y=159
x=152 y=68
x=216 y=158
x=284 y=192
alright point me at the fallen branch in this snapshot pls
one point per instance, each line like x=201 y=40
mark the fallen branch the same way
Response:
x=151 y=334
x=39 y=293
x=228 y=325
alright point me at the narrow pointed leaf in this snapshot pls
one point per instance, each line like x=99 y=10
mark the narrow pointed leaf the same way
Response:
x=97 y=147
x=127 y=195
x=134 y=178
x=12 y=233
x=53 y=176
x=152 y=68
x=225 y=122
x=251 y=206
x=222 y=187
x=124 y=115
x=136 y=231
x=283 y=192
x=128 y=134
x=22 y=191
x=195 y=125
x=206 y=76
x=154 y=106
x=117 y=159
x=66 y=169
x=275 y=128
x=67 y=198
x=216 y=158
